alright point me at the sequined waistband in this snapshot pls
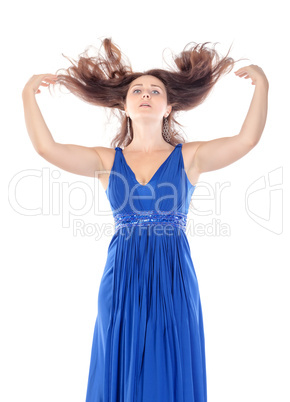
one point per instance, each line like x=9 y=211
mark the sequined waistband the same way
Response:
x=177 y=219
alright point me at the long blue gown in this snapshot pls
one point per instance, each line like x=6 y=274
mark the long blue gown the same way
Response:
x=148 y=342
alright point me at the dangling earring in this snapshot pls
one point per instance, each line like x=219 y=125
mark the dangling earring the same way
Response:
x=128 y=127
x=166 y=133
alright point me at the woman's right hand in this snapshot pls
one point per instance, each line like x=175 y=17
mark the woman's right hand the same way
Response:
x=41 y=79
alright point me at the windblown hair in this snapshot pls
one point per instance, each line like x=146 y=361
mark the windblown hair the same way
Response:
x=105 y=80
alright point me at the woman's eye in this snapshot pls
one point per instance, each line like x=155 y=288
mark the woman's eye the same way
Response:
x=154 y=90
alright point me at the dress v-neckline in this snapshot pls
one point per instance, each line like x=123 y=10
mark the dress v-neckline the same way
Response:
x=157 y=171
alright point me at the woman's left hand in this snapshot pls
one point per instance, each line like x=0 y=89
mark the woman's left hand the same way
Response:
x=254 y=72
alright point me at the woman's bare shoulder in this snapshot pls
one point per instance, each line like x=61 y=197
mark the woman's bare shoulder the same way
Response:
x=189 y=150
x=191 y=146
x=106 y=155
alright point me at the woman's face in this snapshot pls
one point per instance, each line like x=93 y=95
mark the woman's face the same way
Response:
x=147 y=89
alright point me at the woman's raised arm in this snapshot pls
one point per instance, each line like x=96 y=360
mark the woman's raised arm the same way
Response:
x=221 y=152
x=76 y=159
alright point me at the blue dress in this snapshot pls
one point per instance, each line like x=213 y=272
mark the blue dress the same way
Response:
x=148 y=342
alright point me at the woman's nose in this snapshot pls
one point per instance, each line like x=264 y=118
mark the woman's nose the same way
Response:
x=145 y=95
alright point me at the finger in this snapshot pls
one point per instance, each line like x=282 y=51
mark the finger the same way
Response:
x=47 y=82
x=48 y=75
x=241 y=72
x=52 y=81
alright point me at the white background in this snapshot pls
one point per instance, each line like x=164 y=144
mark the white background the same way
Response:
x=50 y=274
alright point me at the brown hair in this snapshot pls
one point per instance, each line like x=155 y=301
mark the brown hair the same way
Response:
x=105 y=80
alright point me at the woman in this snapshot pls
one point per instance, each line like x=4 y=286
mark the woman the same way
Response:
x=148 y=342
